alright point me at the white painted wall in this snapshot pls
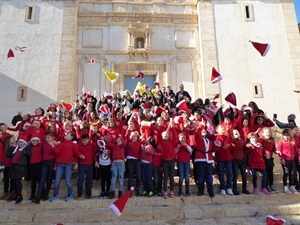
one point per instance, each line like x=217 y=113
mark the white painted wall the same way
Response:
x=241 y=65
x=37 y=67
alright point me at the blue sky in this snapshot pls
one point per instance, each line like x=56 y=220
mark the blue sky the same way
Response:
x=297 y=7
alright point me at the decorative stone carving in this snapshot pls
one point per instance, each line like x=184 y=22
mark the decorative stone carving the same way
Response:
x=194 y=59
x=85 y=58
x=139 y=8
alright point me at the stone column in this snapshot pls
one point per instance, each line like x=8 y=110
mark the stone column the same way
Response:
x=67 y=78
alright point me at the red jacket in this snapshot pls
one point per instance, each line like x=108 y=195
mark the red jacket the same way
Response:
x=33 y=132
x=66 y=151
x=255 y=157
x=117 y=151
x=147 y=156
x=268 y=144
x=167 y=147
x=204 y=148
x=1 y=152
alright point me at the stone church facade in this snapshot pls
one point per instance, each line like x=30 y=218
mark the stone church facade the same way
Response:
x=173 y=41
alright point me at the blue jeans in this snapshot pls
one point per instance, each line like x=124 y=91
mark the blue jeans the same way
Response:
x=204 y=174
x=134 y=167
x=263 y=179
x=147 y=171
x=118 y=169
x=184 y=173
x=63 y=169
x=225 y=167
x=88 y=171
x=47 y=170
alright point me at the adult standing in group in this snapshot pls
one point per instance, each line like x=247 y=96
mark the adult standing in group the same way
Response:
x=290 y=124
x=17 y=118
x=182 y=94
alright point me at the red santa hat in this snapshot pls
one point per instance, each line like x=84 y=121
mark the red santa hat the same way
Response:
x=108 y=95
x=104 y=109
x=35 y=137
x=101 y=143
x=146 y=105
x=52 y=107
x=270 y=220
x=231 y=99
x=178 y=119
x=139 y=74
x=67 y=106
x=92 y=61
x=10 y=54
x=118 y=206
x=182 y=107
x=23 y=138
x=262 y=48
x=215 y=76
x=156 y=111
x=157 y=84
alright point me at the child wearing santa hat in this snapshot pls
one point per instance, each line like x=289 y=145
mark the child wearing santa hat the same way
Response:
x=18 y=168
x=203 y=161
x=35 y=164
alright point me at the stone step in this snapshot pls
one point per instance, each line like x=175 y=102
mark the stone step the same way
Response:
x=244 y=209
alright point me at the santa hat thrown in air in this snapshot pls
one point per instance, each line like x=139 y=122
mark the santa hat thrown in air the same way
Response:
x=262 y=48
x=231 y=100
x=139 y=74
x=92 y=61
x=270 y=220
x=10 y=54
x=182 y=107
x=104 y=109
x=156 y=111
x=118 y=206
x=157 y=84
x=67 y=106
x=146 y=105
x=108 y=95
x=215 y=76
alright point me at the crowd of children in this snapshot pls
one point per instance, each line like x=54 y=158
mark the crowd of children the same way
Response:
x=146 y=136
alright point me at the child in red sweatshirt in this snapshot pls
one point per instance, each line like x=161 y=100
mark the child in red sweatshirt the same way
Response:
x=256 y=162
x=47 y=168
x=85 y=166
x=117 y=147
x=184 y=152
x=35 y=164
x=65 y=152
x=157 y=167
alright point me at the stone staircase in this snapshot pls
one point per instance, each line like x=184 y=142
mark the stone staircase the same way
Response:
x=193 y=210
x=233 y=210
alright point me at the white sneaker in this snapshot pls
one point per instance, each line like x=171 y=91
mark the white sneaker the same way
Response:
x=287 y=190
x=229 y=191
x=223 y=192
x=293 y=190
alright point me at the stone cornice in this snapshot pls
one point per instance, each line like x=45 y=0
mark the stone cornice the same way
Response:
x=146 y=2
x=99 y=18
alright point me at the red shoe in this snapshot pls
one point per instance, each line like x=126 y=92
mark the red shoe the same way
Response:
x=172 y=194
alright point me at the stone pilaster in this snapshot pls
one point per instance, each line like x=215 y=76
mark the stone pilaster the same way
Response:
x=67 y=79
x=293 y=37
x=208 y=48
